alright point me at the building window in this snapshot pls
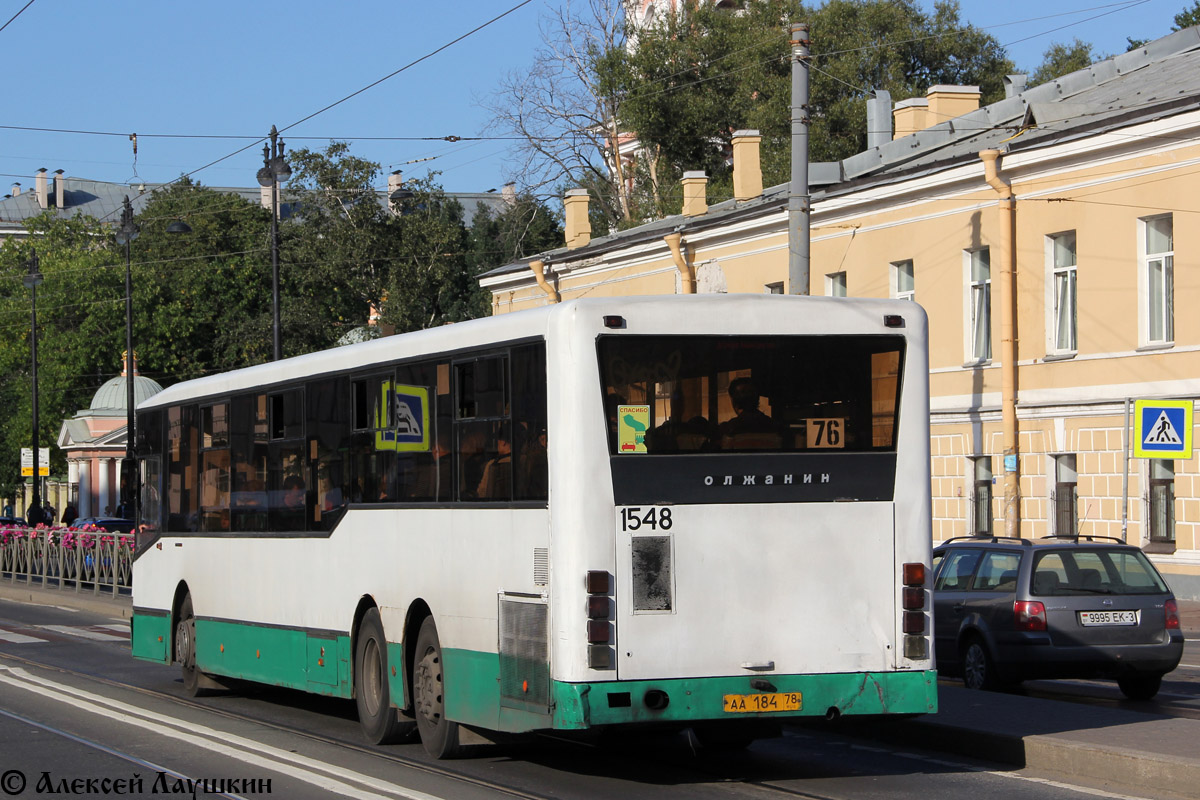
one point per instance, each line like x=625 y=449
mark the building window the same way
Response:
x=1157 y=270
x=1162 y=500
x=982 y=497
x=835 y=284
x=1066 y=493
x=980 y=304
x=1062 y=267
x=774 y=288
x=903 y=286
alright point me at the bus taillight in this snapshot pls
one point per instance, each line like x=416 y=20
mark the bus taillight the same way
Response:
x=599 y=619
x=912 y=600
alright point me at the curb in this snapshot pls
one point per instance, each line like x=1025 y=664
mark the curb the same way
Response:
x=121 y=606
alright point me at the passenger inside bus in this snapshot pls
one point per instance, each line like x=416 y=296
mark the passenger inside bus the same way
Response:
x=679 y=434
x=750 y=429
x=496 y=481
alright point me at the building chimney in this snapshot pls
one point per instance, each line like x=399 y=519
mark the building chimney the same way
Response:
x=910 y=116
x=59 y=189
x=695 y=197
x=879 y=118
x=579 y=225
x=948 y=102
x=747 y=167
x=395 y=181
x=1014 y=84
x=509 y=194
x=16 y=190
x=264 y=196
x=39 y=183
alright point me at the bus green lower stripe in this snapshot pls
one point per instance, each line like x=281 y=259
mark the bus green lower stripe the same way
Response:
x=278 y=656
x=150 y=637
x=582 y=705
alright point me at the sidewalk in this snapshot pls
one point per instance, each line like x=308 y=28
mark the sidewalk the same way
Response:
x=1146 y=752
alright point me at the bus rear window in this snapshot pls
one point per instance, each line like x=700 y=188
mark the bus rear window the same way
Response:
x=696 y=394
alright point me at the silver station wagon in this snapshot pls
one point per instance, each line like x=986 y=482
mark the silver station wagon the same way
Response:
x=1008 y=610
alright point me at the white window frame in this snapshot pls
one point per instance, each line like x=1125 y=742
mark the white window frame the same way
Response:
x=898 y=272
x=773 y=288
x=1064 y=476
x=1164 y=302
x=971 y=289
x=981 y=476
x=1062 y=295
x=835 y=284
x=1159 y=500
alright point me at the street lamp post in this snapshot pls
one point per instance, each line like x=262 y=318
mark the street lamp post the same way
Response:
x=274 y=169
x=126 y=233
x=32 y=281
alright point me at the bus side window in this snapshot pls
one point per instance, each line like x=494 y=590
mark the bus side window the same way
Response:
x=530 y=465
x=328 y=435
x=183 y=440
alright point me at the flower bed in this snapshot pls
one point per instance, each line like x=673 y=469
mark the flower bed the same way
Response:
x=86 y=558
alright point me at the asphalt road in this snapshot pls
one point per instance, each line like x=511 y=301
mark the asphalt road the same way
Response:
x=75 y=707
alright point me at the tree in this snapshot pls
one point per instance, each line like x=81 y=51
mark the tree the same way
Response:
x=694 y=78
x=1060 y=59
x=81 y=332
x=521 y=228
x=1187 y=17
x=564 y=111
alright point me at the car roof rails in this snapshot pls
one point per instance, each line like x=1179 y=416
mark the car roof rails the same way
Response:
x=1087 y=537
x=987 y=537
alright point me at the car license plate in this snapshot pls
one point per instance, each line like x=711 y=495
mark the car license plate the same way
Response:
x=757 y=703
x=1108 y=618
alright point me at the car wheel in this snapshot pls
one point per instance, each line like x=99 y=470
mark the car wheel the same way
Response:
x=979 y=671
x=1140 y=686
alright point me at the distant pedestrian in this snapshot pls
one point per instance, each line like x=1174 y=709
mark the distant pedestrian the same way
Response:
x=49 y=514
x=69 y=514
x=33 y=517
x=8 y=509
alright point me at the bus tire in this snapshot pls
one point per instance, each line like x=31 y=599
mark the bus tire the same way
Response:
x=379 y=720
x=438 y=734
x=195 y=682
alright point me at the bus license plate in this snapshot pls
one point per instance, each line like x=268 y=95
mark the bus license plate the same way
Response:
x=1108 y=618
x=757 y=703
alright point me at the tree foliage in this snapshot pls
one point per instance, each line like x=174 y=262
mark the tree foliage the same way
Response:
x=1060 y=59
x=1188 y=17
x=694 y=78
x=202 y=300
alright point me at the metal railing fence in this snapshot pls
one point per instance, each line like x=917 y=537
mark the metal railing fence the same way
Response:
x=67 y=559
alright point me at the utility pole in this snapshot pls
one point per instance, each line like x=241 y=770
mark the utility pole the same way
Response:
x=799 y=210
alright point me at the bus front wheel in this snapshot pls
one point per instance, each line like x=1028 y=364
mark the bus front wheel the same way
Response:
x=438 y=734
x=379 y=720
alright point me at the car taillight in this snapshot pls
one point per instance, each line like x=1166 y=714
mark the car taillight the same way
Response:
x=1172 y=609
x=1030 y=615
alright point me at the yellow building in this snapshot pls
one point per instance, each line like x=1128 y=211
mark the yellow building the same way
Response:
x=1103 y=168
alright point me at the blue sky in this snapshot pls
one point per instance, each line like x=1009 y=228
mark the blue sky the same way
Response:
x=226 y=68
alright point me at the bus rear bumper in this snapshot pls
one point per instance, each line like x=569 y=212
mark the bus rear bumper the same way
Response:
x=579 y=706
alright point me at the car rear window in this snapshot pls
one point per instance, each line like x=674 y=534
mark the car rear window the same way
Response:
x=1086 y=571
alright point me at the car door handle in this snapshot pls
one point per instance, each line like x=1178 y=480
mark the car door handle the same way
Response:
x=958 y=607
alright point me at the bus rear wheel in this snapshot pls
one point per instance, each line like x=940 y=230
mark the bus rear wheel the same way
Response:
x=379 y=720
x=195 y=682
x=438 y=734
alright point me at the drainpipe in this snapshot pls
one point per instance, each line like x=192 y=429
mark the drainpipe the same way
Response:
x=539 y=275
x=686 y=274
x=1008 y=346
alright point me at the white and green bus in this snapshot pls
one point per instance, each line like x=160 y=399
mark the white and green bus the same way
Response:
x=704 y=511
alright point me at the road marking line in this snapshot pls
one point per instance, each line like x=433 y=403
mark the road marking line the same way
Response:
x=83 y=633
x=122 y=627
x=18 y=638
x=1011 y=776
x=259 y=754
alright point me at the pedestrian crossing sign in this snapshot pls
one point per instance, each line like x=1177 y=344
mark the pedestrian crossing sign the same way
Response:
x=1162 y=429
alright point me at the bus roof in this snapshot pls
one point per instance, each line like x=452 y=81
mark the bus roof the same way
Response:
x=707 y=310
